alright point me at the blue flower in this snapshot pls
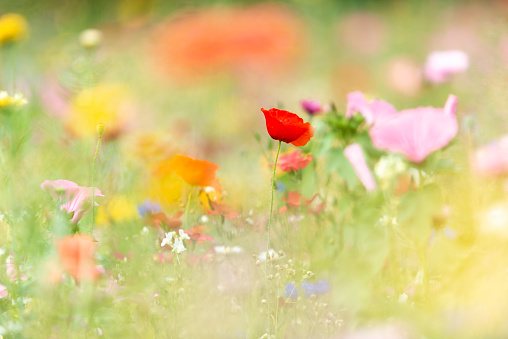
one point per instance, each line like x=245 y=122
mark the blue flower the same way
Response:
x=291 y=291
x=321 y=287
x=280 y=187
x=148 y=207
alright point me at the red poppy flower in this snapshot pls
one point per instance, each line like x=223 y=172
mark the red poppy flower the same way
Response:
x=162 y=220
x=288 y=127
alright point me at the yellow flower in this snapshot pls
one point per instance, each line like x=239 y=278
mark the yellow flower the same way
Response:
x=118 y=209
x=16 y=100
x=13 y=27
x=104 y=103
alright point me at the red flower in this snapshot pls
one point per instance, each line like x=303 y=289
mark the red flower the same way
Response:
x=294 y=161
x=288 y=127
x=223 y=210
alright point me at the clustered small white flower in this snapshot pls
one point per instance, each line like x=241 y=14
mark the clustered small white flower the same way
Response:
x=388 y=168
x=177 y=244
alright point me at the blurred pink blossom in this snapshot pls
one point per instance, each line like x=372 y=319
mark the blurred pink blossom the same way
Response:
x=492 y=159
x=311 y=106
x=441 y=65
x=11 y=270
x=3 y=291
x=354 y=154
x=417 y=132
x=405 y=75
x=74 y=198
x=373 y=112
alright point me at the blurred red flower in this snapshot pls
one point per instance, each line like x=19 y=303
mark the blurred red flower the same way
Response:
x=294 y=161
x=223 y=210
x=76 y=254
x=288 y=127
x=258 y=38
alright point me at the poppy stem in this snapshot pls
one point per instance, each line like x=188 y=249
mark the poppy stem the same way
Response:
x=187 y=209
x=100 y=131
x=268 y=233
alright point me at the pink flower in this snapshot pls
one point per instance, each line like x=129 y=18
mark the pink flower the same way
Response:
x=294 y=161
x=373 y=112
x=312 y=107
x=354 y=154
x=3 y=291
x=74 y=198
x=417 y=132
x=492 y=159
x=11 y=270
x=441 y=65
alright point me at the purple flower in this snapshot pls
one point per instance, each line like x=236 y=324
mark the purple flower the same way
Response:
x=312 y=107
x=148 y=207
x=321 y=287
x=291 y=292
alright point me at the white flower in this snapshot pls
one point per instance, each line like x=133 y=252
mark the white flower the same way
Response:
x=273 y=255
x=183 y=235
x=204 y=219
x=227 y=250
x=403 y=298
x=178 y=246
x=167 y=239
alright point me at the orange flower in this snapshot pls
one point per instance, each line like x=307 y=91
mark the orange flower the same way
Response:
x=76 y=254
x=261 y=38
x=195 y=172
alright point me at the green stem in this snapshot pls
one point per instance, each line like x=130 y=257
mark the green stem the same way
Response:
x=187 y=209
x=268 y=234
x=93 y=180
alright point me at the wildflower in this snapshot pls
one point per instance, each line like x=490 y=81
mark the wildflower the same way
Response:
x=74 y=199
x=294 y=200
x=13 y=27
x=388 y=168
x=11 y=270
x=177 y=245
x=118 y=209
x=148 y=208
x=312 y=107
x=294 y=161
x=167 y=240
x=196 y=234
x=321 y=287
x=223 y=210
x=265 y=39
x=287 y=127
x=76 y=255
x=103 y=103
x=291 y=292
x=3 y=291
x=195 y=172
x=441 y=65
x=16 y=100
x=90 y=38
x=354 y=155
x=373 y=112
x=227 y=250
x=162 y=220
x=272 y=255
x=417 y=132
x=492 y=159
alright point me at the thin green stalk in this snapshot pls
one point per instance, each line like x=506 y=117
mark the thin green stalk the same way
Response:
x=100 y=131
x=187 y=209
x=268 y=233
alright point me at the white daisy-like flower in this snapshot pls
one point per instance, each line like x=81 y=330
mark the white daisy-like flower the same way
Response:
x=178 y=246
x=183 y=235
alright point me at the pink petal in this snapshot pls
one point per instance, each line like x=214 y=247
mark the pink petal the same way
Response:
x=372 y=112
x=418 y=132
x=441 y=65
x=3 y=291
x=354 y=154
